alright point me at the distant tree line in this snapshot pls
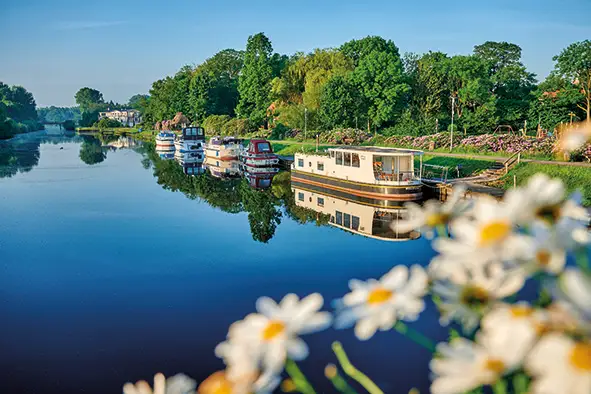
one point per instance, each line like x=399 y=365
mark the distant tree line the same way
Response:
x=90 y=102
x=58 y=114
x=17 y=111
x=367 y=84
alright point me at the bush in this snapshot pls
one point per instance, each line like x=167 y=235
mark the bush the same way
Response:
x=280 y=131
x=407 y=125
x=238 y=127
x=107 y=123
x=214 y=124
x=69 y=125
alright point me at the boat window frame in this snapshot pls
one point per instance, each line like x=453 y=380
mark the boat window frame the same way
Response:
x=339 y=218
x=301 y=196
x=320 y=201
x=320 y=166
x=355 y=163
x=339 y=155
x=347 y=220
x=355 y=222
x=345 y=156
x=301 y=163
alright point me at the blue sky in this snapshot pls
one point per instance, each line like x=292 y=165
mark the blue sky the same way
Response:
x=53 y=48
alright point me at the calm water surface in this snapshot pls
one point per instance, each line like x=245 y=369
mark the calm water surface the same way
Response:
x=115 y=265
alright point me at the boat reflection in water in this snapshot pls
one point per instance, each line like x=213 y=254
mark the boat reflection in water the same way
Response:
x=165 y=152
x=224 y=169
x=365 y=216
x=192 y=162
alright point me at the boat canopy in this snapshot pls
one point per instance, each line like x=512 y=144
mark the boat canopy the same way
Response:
x=258 y=146
x=379 y=151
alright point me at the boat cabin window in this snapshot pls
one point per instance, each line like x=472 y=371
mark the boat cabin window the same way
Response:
x=347 y=221
x=263 y=147
x=355 y=160
x=320 y=201
x=332 y=154
x=199 y=131
x=320 y=166
x=355 y=222
x=339 y=159
x=301 y=196
x=300 y=162
x=339 y=216
x=309 y=164
x=348 y=159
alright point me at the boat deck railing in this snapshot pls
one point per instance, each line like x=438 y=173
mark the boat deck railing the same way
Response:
x=396 y=176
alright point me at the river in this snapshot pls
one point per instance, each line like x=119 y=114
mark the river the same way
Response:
x=115 y=265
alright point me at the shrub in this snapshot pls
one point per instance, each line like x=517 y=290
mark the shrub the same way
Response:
x=213 y=124
x=107 y=123
x=238 y=127
x=69 y=125
x=280 y=131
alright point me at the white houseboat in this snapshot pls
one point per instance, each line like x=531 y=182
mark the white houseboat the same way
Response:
x=165 y=139
x=387 y=174
x=259 y=154
x=227 y=148
x=165 y=152
x=223 y=168
x=191 y=139
x=353 y=216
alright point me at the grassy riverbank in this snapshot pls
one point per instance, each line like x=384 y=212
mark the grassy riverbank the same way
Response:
x=467 y=166
x=574 y=178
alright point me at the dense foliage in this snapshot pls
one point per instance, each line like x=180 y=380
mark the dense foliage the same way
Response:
x=58 y=114
x=18 y=112
x=366 y=83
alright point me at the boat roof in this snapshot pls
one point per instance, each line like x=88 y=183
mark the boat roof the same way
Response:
x=378 y=150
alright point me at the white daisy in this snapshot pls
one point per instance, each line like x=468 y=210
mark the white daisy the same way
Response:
x=469 y=292
x=560 y=364
x=463 y=365
x=433 y=214
x=575 y=136
x=503 y=320
x=178 y=384
x=574 y=292
x=488 y=236
x=547 y=251
x=271 y=335
x=378 y=304
x=540 y=198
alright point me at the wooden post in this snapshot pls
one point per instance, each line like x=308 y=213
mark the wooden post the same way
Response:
x=519 y=158
x=506 y=169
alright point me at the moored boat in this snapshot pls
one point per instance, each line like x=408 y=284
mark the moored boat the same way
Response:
x=192 y=162
x=191 y=139
x=227 y=148
x=387 y=174
x=259 y=153
x=165 y=139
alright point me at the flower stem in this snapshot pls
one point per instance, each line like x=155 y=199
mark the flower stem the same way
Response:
x=353 y=372
x=332 y=373
x=583 y=260
x=500 y=387
x=415 y=336
x=298 y=377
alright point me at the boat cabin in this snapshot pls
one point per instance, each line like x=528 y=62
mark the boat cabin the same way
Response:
x=193 y=133
x=259 y=147
x=368 y=165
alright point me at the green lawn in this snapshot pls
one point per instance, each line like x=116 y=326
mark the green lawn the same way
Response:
x=575 y=178
x=287 y=149
x=468 y=166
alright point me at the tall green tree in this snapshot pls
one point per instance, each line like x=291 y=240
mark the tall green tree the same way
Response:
x=139 y=102
x=254 y=83
x=379 y=76
x=574 y=64
x=87 y=97
x=511 y=83
x=214 y=85
x=341 y=104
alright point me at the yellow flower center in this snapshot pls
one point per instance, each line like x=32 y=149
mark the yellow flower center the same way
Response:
x=520 y=311
x=273 y=328
x=549 y=213
x=216 y=383
x=288 y=386
x=580 y=356
x=379 y=295
x=495 y=365
x=436 y=219
x=474 y=296
x=494 y=232
x=543 y=257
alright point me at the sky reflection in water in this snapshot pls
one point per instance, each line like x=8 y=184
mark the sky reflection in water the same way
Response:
x=107 y=276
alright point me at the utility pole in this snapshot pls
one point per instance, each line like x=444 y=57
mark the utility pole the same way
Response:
x=305 y=123
x=451 y=141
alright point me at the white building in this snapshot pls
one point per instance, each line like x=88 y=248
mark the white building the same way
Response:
x=128 y=117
